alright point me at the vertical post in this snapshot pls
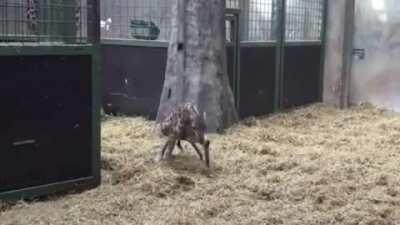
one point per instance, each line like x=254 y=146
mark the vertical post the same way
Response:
x=323 y=49
x=280 y=51
x=93 y=26
x=306 y=21
x=5 y=22
x=233 y=16
x=68 y=22
x=274 y=19
x=237 y=58
x=244 y=19
x=347 y=52
x=93 y=21
x=44 y=7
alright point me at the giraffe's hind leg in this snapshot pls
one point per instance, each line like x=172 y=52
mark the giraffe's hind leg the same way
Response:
x=197 y=150
x=171 y=147
x=165 y=148
x=160 y=155
x=207 y=152
x=180 y=146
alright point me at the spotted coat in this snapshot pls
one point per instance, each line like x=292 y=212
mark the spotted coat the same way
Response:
x=185 y=123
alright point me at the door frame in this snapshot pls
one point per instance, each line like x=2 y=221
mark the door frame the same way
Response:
x=233 y=16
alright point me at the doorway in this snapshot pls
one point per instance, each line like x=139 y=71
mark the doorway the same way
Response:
x=376 y=52
x=233 y=51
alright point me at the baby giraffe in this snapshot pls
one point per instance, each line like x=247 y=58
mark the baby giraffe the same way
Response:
x=185 y=123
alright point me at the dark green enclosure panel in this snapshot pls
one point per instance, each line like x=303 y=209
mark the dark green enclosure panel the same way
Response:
x=133 y=78
x=257 y=81
x=301 y=78
x=46 y=120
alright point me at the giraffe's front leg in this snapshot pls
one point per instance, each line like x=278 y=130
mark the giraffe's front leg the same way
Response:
x=197 y=150
x=160 y=155
x=171 y=147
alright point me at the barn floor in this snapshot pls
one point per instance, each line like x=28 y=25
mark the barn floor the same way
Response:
x=316 y=165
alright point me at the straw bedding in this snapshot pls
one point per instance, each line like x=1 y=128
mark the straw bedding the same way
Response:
x=315 y=165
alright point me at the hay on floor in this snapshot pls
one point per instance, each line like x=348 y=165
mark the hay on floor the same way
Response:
x=316 y=165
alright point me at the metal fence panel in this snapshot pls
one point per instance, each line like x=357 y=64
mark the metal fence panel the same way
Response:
x=117 y=17
x=259 y=20
x=304 y=20
x=120 y=19
x=44 y=21
x=232 y=4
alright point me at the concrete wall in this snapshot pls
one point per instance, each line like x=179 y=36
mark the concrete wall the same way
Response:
x=334 y=52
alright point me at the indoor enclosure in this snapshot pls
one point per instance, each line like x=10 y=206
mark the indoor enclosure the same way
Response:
x=281 y=54
x=293 y=158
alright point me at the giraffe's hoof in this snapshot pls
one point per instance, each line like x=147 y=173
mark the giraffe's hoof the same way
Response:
x=169 y=157
x=158 y=158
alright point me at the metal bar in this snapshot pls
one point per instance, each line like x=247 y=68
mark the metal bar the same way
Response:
x=68 y=16
x=233 y=16
x=303 y=43
x=44 y=17
x=274 y=20
x=50 y=49
x=244 y=18
x=26 y=193
x=279 y=67
x=132 y=42
x=258 y=43
x=323 y=50
x=96 y=92
x=16 y=19
x=238 y=56
x=232 y=11
x=6 y=21
x=93 y=21
x=96 y=22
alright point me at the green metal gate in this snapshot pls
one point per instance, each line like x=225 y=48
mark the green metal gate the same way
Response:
x=301 y=45
x=49 y=51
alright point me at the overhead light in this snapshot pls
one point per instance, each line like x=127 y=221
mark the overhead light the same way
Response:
x=378 y=5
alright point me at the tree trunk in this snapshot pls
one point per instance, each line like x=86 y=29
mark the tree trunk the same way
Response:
x=196 y=67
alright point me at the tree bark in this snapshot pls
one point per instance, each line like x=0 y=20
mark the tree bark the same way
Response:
x=196 y=67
